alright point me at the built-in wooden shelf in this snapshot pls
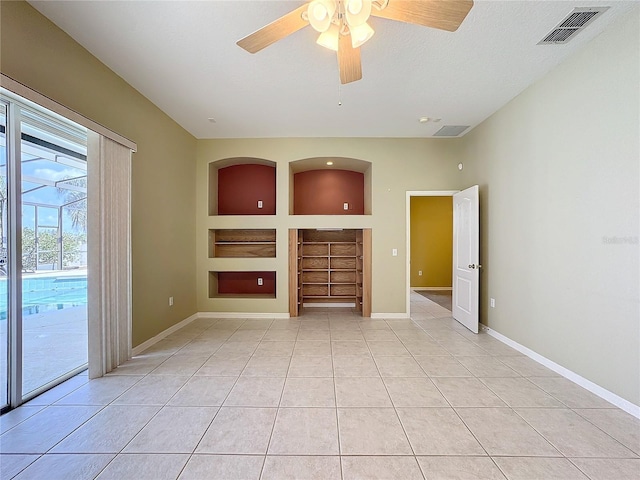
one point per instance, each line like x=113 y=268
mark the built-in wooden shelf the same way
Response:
x=329 y=267
x=236 y=243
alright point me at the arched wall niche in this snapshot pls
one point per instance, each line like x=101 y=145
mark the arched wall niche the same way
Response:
x=326 y=185
x=242 y=186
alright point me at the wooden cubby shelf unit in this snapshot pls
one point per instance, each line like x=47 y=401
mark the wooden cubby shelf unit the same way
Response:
x=329 y=268
x=242 y=243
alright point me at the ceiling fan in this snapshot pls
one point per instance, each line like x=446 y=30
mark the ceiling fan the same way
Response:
x=343 y=27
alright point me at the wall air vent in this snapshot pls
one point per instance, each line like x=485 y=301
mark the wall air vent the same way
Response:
x=572 y=24
x=451 y=130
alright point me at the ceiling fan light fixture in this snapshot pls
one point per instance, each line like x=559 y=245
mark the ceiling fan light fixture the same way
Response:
x=357 y=12
x=329 y=39
x=320 y=14
x=360 y=34
x=350 y=17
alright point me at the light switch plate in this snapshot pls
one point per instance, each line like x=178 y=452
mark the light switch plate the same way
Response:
x=492 y=302
x=394 y=252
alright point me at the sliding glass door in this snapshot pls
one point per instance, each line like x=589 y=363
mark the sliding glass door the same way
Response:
x=54 y=246
x=44 y=326
x=4 y=291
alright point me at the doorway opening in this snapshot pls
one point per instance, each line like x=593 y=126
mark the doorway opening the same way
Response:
x=429 y=253
x=466 y=254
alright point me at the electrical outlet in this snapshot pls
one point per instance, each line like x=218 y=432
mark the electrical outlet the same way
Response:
x=259 y=203
x=345 y=205
x=492 y=303
x=394 y=252
x=260 y=283
x=419 y=273
x=171 y=301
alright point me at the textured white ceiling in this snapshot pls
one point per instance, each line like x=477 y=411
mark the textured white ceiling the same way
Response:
x=183 y=57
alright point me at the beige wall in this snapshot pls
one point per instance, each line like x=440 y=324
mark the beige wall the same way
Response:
x=38 y=54
x=431 y=241
x=558 y=170
x=398 y=165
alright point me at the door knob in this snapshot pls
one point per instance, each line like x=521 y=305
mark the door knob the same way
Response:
x=474 y=266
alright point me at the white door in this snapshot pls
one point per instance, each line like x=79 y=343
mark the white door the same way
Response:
x=466 y=257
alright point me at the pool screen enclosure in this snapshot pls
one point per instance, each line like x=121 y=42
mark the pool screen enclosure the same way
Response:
x=43 y=251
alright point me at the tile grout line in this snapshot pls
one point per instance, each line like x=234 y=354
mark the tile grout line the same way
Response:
x=457 y=414
x=221 y=403
x=577 y=412
x=335 y=400
x=512 y=410
x=103 y=407
x=217 y=411
x=557 y=448
x=392 y=403
x=275 y=418
x=155 y=415
x=579 y=469
x=422 y=327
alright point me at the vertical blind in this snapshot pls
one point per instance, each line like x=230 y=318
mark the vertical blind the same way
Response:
x=109 y=240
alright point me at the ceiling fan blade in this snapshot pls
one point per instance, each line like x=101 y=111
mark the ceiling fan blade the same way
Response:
x=276 y=30
x=441 y=14
x=348 y=60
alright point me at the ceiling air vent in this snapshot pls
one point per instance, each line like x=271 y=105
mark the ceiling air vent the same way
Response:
x=451 y=130
x=575 y=21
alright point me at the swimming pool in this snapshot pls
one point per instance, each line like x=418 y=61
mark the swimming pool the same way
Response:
x=45 y=293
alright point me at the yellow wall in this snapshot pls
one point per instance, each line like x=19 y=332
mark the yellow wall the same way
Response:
x=38 y=54
x=431 y=241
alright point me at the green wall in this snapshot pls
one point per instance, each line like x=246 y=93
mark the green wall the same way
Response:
x=38 y=54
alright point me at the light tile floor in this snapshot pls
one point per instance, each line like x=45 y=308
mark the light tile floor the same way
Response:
x=329 y=395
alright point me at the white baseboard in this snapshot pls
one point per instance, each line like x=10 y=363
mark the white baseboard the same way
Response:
x=390 y=315
x=153 y=340
x=444 y=289
x=330 y=305
x=603 y=393
x=241 y=315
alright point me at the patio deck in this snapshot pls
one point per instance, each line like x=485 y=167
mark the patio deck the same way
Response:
x=55 y=342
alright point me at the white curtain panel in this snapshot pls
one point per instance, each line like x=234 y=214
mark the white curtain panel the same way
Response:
x=109 y=259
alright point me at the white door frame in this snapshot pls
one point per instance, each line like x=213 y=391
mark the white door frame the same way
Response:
x=417 y=193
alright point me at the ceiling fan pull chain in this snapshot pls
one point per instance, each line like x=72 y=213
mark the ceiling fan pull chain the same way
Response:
x=380 y=4
x=339 y=94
